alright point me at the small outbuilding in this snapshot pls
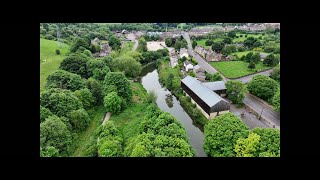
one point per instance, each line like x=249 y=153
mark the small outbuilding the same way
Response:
x=217 y=87
x=187 y=65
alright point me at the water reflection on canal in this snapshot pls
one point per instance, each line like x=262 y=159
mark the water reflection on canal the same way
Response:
x=168 y=103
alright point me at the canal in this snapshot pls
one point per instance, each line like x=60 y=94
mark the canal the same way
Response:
x=168 y=103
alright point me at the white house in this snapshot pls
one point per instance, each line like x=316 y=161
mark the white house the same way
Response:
x=187 y=65
x=184 y=52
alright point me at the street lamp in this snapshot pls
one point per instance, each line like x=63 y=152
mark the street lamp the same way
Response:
x=261 y=112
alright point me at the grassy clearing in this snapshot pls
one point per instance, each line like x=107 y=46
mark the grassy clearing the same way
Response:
x=83 y=139
x=127 y=46
x=235 y=69
x=128 y=120
x=50 y=61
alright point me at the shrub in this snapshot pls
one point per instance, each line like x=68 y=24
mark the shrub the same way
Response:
x=57 y=51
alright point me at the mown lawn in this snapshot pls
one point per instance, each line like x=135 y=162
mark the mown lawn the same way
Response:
x=49 y=60
x=96 y=115
x=235 y=69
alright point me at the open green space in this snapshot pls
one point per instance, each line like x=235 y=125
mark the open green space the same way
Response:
x=202 y=42
x=235 y=69
x=50 y=61
x=248 y=35
x=240 y=54
x=127 y=46
x=96 y=115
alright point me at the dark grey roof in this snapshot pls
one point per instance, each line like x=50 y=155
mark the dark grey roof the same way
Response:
x=203 y=92
x=214 y=86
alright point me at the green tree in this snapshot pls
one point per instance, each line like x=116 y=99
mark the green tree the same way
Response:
x=96 y=90
x=208 y=42
x=76 y=63
x=120 y=82
x=227 y=40
x=77 y=43
x=114 y=43
x=221 y=135
x=235 y=91
x=177 y=45
x=170 y=81
x=94 y=64
x=44 y=113
x=112 y=103
x=86 y=97
x=256 y=58
x=57 y=51
x=248 y=57
x=49 y=151
x=59 y=101
x=100 y=74
x=269 y=144
x=79 y=119
x=213 y=77
x=252 y=65
x=152 y=97
x=263 y=87
x=53 y=132
x=245 y=147
x=276 y=101
x=128 y=65
x=217 y=46
x=241 y=49
x=271 y=60
x=110 y=147
x=142 y=47
x=138 y=56
x=168 y=42
x=87 y=53
x=249 y=42
x=65 y=80
x=232 y=34
x=275 y=74
x=194 y=44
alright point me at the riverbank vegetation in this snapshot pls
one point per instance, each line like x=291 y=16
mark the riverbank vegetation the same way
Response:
x=170 y=78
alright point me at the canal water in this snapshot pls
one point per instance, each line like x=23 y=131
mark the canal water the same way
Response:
x=168 y=103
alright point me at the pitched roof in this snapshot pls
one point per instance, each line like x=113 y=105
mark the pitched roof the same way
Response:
x=214 y=86
x=203 y=92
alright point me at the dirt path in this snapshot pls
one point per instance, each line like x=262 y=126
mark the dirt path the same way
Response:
x=106 y=118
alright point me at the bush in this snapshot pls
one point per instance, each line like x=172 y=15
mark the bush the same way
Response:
x=44 y=113
x=152 y=97
x=112 y=103
x=263 y=87
x=57 y=51
x=209 y=42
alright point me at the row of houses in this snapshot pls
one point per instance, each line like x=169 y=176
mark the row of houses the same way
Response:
x=209 y=54
x=206 y=96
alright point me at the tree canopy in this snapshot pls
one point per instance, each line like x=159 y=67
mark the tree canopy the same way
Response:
x=128 y=65
x=65 y=80
x=112 y=103
x=235 y=91
x=76 y=63
x=263 y=87
x=221 y=134
x=121 y=83
x=86 y=97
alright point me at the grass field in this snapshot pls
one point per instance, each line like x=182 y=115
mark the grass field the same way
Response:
x=49 y=60
x=202 y=42
x=96 y=115
x=249 y=35
x=240 y=54
x=127 y=46
x=235 y=69
x=129 y=119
